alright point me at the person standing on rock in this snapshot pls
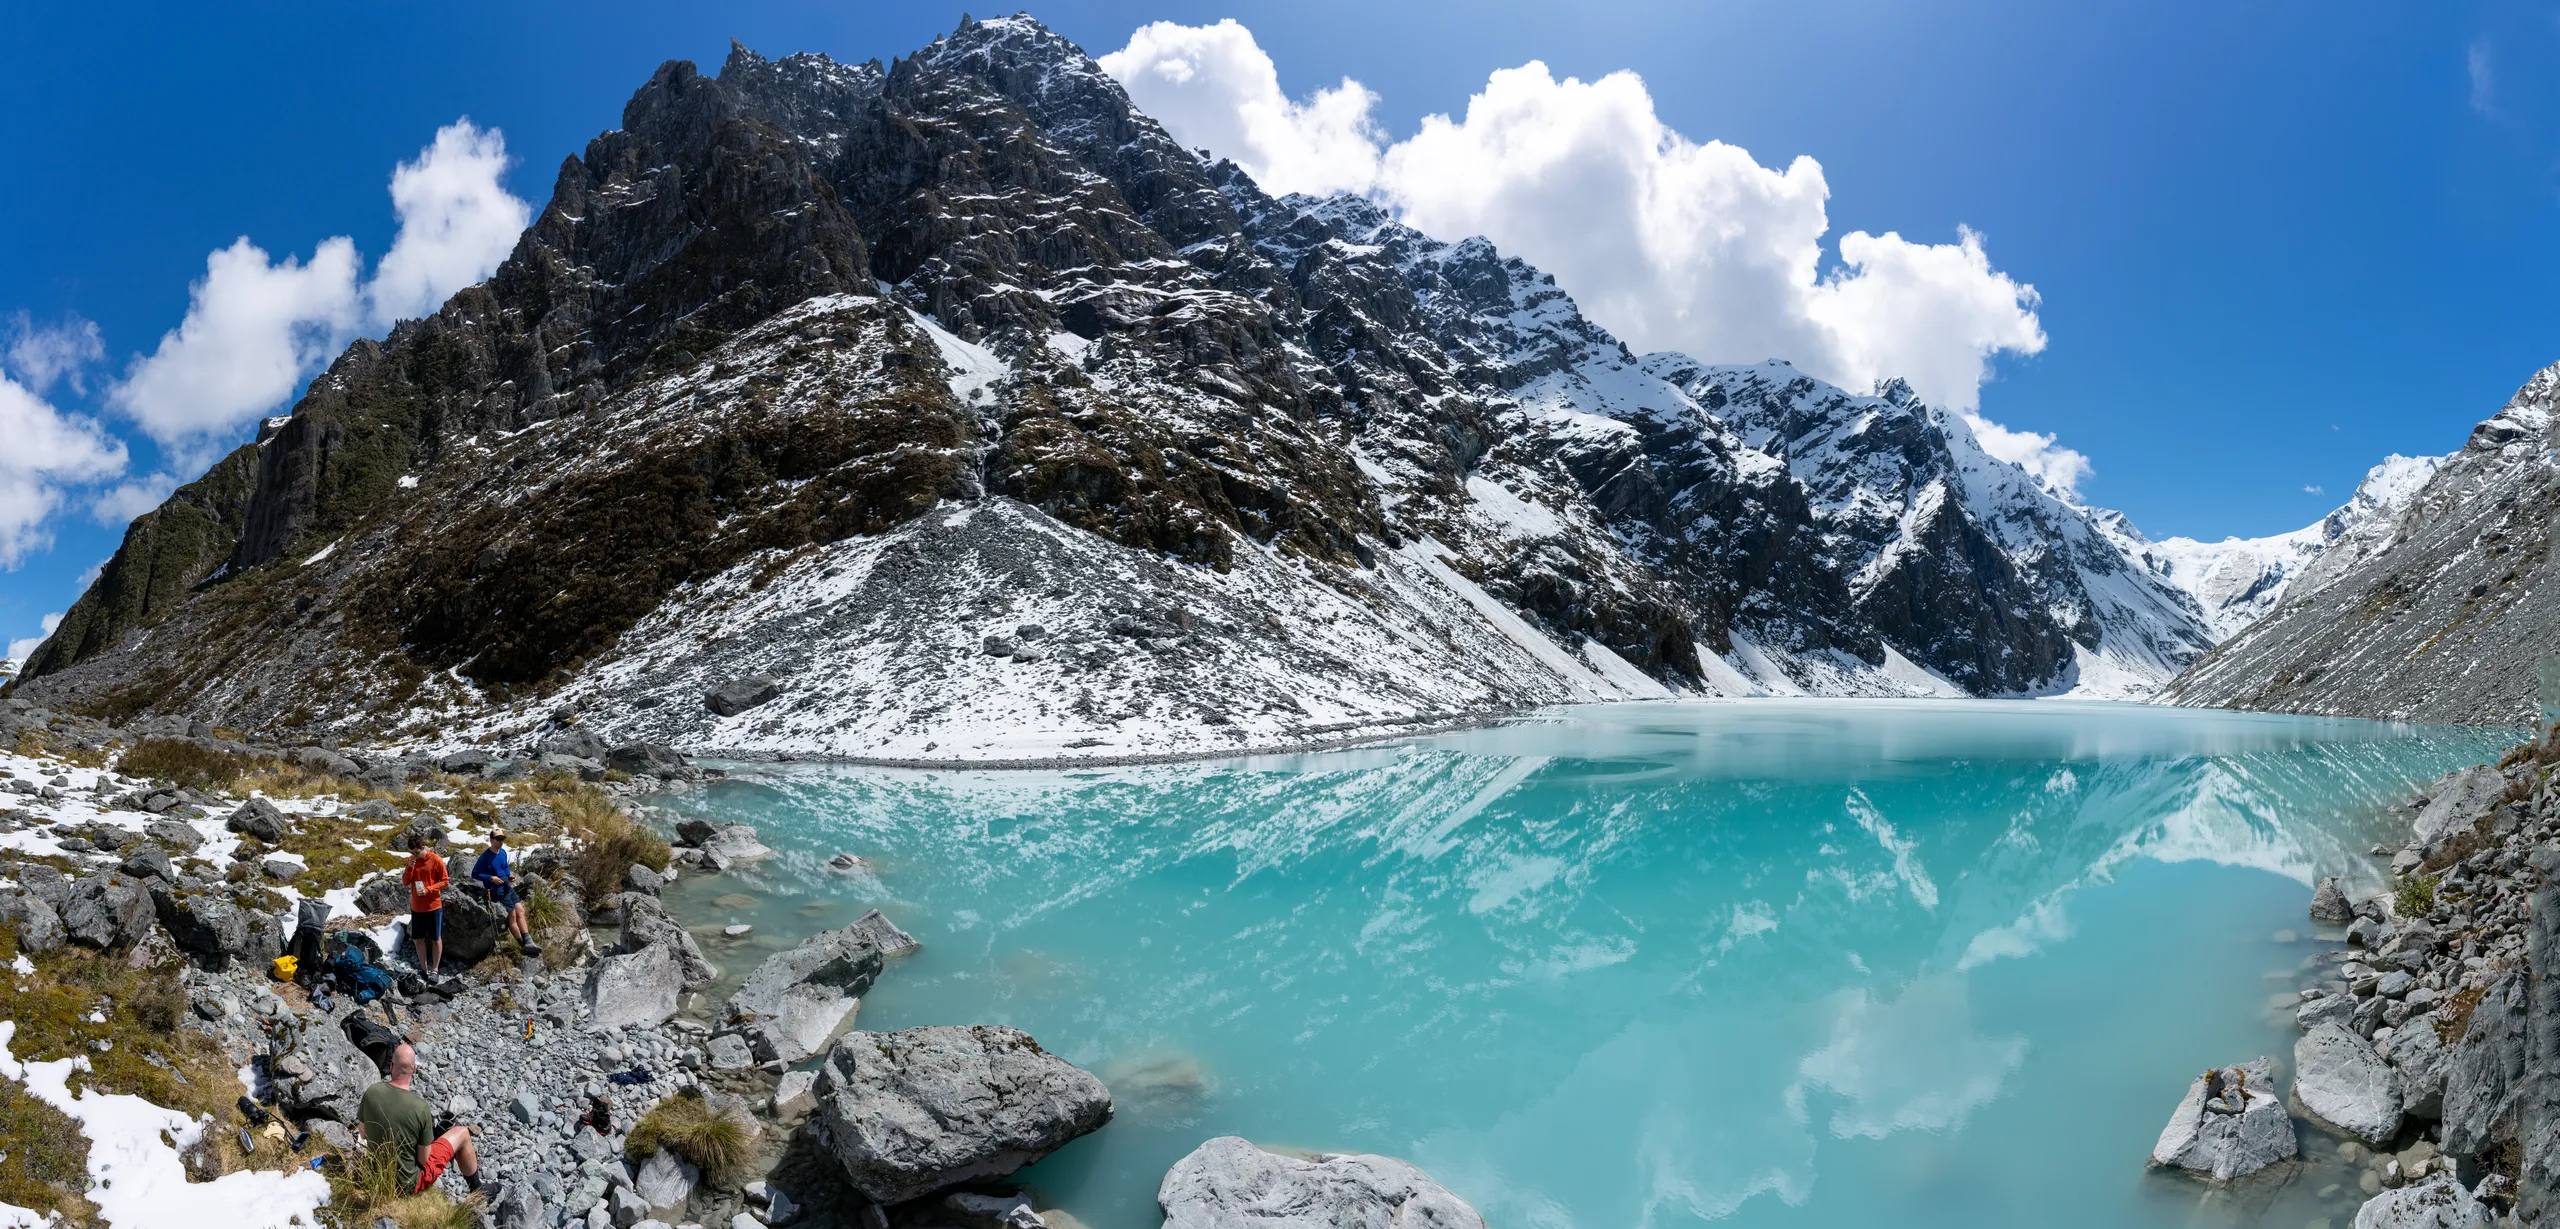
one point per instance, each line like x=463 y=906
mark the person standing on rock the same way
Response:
x=426 y=878
x=393 y=1115
x=497 y=878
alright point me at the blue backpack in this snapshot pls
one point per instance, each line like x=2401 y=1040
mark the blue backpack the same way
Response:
x=362 y=978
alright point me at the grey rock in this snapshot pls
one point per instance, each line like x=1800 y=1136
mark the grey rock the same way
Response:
x=2338 y=1009
x=45 y=883
x=107 y=913
x=282 y=870
x=2394 y=984
x=796 y=1094
x=729 y=1053
x=525 y=1107
x=211 y=927
x=627 y=1207
x=325 y=1075
x=642 y=988
x=2418 y=1060
x=2231 y=1124
x=473 y=925
x=645 y=924
x=180 y=838
x=781 y=1209
x=797 y=998
x=521 y=1206
x=2460 y=799
x=920 y=1111
x=650 y=759
x=976 y=1211
x=2329 y=905
x=639 y=878
x=382 y=894
x=528 y=817
x=39 y=927
x=469 y=761
x=2344 y=1085
x=323 y=760
x=259 y=818
x=731 y=845
x=666 y=1180
x=2433 y=1202
x=574 y=742
x=738 y=695
x=149 y=862
x=2486 y=1070
x=1227 y=1183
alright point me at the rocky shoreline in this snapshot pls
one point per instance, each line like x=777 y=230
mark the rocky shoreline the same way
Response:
x=606 y=1088
x=2429 y=1063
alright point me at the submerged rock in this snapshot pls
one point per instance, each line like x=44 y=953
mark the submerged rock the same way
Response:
x=2344 y=1085
x=923 y=1110
x=2231 y=1124
x=1227 y=1183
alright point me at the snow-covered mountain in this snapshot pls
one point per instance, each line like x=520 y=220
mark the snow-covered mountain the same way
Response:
x=2238 y=580
x=960 y=402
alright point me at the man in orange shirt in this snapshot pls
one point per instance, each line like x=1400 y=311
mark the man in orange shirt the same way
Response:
x=426 y=879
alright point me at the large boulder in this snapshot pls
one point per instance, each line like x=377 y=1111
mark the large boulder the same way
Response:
x=1227 y=1183
x=108 y=912
x=730 y=845
x=2344 y=1085
x=473 y=925
x=2329 y=904
x=796 y=999
x=259 y=818
x=45 y=883
x=213 y=928
x=643 y=988
x=382 y=894
x=39 y=927
x=323 y=1075
x=738 y=695
x=574 y=742
x=645 y=924
x=666 y=1180
x=176 y=837
x=649 y=759
x=923 y=1110
x=2460 y=800
x=2231 y=1124
x=2418 y=1060
x=2486 y=1070
x=2435 y=1202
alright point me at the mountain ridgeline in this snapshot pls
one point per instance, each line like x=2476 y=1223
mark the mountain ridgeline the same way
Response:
x=964 y=414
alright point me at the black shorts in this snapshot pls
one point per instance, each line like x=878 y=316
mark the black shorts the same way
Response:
x=427 y=927
x=503 y=896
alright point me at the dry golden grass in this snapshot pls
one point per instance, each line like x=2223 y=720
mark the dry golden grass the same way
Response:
x=686 y=1125
x=368 y=1189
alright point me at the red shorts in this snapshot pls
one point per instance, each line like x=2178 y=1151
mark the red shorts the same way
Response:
x=439 y=1155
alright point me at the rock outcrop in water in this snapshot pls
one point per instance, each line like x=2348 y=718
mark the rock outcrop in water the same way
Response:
x=923 y=1110
x=2231 y=1125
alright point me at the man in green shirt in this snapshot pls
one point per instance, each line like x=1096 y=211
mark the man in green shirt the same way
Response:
x=392 y=1115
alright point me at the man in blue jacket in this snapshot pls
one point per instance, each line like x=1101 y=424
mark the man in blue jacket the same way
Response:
x=497 y=878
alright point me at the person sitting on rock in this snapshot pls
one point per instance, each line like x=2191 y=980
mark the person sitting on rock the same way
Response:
x=426 y=878
x=497 y=878
x=390 y=1115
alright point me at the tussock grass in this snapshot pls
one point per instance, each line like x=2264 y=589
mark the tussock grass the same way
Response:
x=46 y=1161
x=368 y=1189
x=147 y=1053
x=686 y=1125
x=608 y=840
x=188 y=765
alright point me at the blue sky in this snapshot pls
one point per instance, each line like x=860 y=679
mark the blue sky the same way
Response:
x=2272 y=242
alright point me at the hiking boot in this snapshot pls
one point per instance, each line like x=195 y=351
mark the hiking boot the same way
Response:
x=528 y=947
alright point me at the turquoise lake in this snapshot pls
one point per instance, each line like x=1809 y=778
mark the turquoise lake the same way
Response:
x=1767 y=963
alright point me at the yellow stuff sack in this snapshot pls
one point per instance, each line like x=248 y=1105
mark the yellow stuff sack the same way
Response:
x=285 y=967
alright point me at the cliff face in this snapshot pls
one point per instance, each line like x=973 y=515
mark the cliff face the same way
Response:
x=2441 y=610
x=840 y=374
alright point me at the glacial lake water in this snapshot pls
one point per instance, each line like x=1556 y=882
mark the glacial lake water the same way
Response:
x=1768 y=963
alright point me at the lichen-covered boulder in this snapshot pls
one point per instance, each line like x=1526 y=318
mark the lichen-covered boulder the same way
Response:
x=923 y=1110
x=2435 y=1202
x=2231 y=1124
x=259 y=818
x=1227 y=1183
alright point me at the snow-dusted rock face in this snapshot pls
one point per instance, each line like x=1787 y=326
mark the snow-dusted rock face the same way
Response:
x=953 y=411
x=2433 y=606
x=2238 y=580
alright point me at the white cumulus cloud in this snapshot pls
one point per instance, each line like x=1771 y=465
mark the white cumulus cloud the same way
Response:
x=1215 y=89
x=41 y=354
x=256 y=328
x=42 y=451
x=21 y=650
x=456 y=222
x=1670 y=243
